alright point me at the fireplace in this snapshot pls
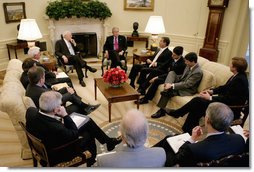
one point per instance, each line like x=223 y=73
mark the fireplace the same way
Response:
x=87 y=43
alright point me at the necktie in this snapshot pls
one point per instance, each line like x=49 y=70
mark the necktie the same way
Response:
x=116 y=47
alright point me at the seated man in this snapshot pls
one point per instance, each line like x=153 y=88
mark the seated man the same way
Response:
x=161 y=57
x=34 y=58
x=66 y=49
x=217 y=144
x=234 y=92
x=114 y=49
x=37 y=86
x=46 y=124
x=133 y=153
x=158 y=76
x=180 y=85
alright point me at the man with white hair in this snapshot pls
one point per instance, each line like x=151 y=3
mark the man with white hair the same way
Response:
x=66 y=49
x=50 y=77
x=132 y=153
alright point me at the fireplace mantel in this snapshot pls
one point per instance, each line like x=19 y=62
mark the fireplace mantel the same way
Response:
x=75 y=25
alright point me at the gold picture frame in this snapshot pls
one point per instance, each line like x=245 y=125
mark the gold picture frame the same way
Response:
x=147 y=5
x=14 y=12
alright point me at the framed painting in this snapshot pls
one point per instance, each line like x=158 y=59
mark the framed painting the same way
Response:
x=14 y=12
x=139 y=5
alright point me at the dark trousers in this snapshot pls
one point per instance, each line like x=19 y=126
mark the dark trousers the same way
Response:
x=78 y=64
x=91 y=131
x=116 y=59
x=136 y=68
x=153 y=88
x=196 y=109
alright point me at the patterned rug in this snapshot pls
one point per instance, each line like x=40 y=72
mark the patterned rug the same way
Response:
x=158 y=129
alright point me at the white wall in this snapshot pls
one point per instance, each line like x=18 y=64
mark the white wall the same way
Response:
x=185 y=23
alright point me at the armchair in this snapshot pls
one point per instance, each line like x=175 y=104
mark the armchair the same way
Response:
x=70 y=152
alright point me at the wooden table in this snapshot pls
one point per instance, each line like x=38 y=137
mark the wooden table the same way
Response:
x=114 y=95
x=141 y=57
x=15 y=47
x=50 y=63
x=139 y=38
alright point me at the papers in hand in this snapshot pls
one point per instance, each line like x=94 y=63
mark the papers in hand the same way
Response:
x=79 y=119
x=237 y=129
x=177 y=141
x=59 y=86
x=61 y=75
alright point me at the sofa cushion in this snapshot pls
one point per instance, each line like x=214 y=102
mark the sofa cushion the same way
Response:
x=207 y=81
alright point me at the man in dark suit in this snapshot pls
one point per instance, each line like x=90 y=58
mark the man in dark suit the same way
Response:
x=158 y=76
x=216 y=145
x=180 y=85
x=66 y=50
x=37 y=86
x=162 y=56
x=34 y=56
x=46 y=124
x=234 y=92
x=114 y=49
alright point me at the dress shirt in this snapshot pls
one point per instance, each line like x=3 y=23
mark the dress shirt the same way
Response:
x=157 y=56
x=69 y=47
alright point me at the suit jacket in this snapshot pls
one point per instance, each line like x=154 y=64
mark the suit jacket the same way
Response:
x=109 y=44
x=178 y=67
x=62 y=49
x=234 y=92
x=126 y=157
x=187 y=84
x=163 y=60
x=211 y=148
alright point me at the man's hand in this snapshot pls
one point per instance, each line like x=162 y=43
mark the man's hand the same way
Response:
x=208 y=91
x=65 y=59
x=205 y=95
x=153 y=79
x=196 y=133
x=73 y=42
x=70 y=90
x=167 y=86
x=148 y=61
x=60 y=111
x=121 y=53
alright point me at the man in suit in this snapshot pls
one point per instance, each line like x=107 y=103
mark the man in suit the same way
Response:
x=217 y=143
x=46 y=124
x=158 y=76
x=37 y=86
x=114 y=49
x=183 y=85
x=34 y=56
x=234 y=92
x=66 y=49
x=162 y=56
x=132 y=153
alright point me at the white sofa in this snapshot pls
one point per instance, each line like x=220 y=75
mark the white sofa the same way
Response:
x=14 y=102
x=214 y=75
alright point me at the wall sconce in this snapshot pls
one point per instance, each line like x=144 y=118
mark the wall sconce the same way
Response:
x=29 y=31
x=155 y=26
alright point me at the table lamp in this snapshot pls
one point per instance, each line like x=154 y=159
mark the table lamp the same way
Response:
x=155 y=26
x=29 y=31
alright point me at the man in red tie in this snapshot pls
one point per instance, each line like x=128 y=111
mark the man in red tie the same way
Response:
x=114 y=49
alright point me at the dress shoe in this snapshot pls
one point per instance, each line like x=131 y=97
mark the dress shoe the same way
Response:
x=114 y=141
x=158 y=114
x=93 y=70
x=91 y=108
x=82 y=83
x=141 y=91
x=141 y=101
x=170 y=112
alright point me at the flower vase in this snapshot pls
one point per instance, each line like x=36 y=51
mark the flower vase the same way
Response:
x=115 y=86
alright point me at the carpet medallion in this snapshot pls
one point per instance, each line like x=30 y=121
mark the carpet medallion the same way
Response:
x=158 y=129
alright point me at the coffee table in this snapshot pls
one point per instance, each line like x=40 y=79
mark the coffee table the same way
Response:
x=114 y=95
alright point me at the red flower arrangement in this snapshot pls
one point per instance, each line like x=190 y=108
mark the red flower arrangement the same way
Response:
x=115 y=76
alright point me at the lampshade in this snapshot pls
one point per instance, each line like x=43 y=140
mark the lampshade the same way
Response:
x=29 y=30
x=155 y=25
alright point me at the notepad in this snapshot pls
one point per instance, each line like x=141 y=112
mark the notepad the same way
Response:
x=237 y=129
x=79 y=119
x=177 y=141
x=61 y=75
x=59 y=86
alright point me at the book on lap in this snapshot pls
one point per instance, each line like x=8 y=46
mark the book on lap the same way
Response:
x=177 y=141
x=237 y=129
x=59 y=86
x=61 y=75
x=79 y=119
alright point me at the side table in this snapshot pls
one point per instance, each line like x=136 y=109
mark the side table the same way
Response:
x=139 y=38
x=141 y=57
x=15 y=47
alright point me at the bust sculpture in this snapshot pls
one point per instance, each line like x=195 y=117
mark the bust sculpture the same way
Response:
x=135 y=27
